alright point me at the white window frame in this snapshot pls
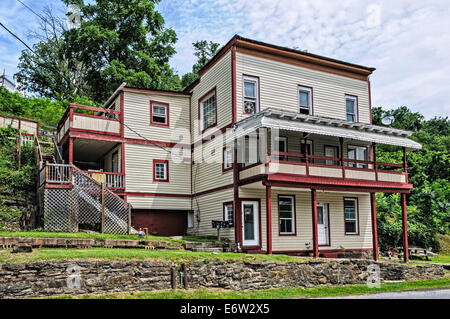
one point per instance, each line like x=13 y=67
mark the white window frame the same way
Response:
x=227 y=157
x=356 y=232
x=356 y=149
x=309 y=91
x=255 y=81
x=165 y=116
x=202 y=111
x=292 y=218
x=164 y=164
x=227 y=207
x=355 y=110
x=190 y=219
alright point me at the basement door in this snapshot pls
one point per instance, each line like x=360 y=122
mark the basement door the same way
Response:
x=322 y=224
x=250 y=223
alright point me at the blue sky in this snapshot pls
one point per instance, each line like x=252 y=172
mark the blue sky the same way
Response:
x=407 y=41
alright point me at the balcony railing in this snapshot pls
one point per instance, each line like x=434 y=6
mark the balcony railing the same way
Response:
x=89 y=119
x=325 y=166
x=111 y=180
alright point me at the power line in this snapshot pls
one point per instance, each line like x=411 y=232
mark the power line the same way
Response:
x=17 y=37
x=37 y=14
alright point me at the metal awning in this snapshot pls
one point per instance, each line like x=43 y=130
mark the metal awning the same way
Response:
x=276 y=119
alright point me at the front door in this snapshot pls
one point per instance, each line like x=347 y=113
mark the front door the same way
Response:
x=322 y=224
x=250 y=223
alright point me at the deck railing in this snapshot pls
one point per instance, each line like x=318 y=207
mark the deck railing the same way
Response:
x=111 y=180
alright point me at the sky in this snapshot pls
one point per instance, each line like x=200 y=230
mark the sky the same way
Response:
x=408 y=42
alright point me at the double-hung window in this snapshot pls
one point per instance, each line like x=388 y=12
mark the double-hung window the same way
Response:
x=351 y=216
x=281 y=146
x=305 y=100
x=208 y=111
x=251 y=95
x=358 y=153
x=227 y=157
x=351 y=108
x=160 y=170
x=287 y=215
x=159 y=113
x=228 y=212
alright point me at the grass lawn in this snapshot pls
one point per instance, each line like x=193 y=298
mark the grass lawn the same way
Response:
x=280 y=293
x=125 y=254
x=441 y=258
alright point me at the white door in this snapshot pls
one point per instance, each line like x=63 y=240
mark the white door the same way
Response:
x=250 y=223
x=322 y=224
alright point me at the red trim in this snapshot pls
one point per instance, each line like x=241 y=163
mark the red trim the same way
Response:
x=233 y=88
x=405 y=228
x=155 y=161
x=373 y=206
x=122 y=162
x=95 y=116
x=155 y=194
x=314 y=223
x=70 y=150
x=64 y=186
x=217 y=57
x=320 y=251
x=223 y=211
x=357 y=106
x=156 y=91
x=356 y=199
x=167 y=114
x=312 y=98
x=152 y=142
x=370 y=101
x=269 y=218
x=213 y=190
x=202 y=130
x=259 y=222
x=294 y=234
x=243 y=93
x=212 y=135
x=93 y=132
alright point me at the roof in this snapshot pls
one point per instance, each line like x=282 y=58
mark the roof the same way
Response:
x=278 y=119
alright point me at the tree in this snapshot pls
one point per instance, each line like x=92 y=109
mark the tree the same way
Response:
x=48 y=71
x=204 y=51
x=122 y=41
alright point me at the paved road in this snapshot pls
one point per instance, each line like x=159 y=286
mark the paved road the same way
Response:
x=418 y=294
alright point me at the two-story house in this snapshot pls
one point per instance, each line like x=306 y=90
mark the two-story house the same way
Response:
x=276 y=141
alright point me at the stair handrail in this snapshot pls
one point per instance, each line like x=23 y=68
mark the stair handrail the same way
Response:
x=38 y=147
x=58 y=153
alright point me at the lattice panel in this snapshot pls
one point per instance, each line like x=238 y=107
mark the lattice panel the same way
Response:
x=116 y=214
x=59 y=214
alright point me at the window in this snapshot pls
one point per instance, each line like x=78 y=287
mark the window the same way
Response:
x=160 y=170
x=331 y=151
x=351 y=107
x=251 y=94
x=281 y=146
x=287 y=215
x=305 y=100
x=159 y=113
x=249 y=149
x=115 y=162
x=228 y=212
x=351 y=216
x=358 y=153
x=208 y=110
x=227 y=158
x=310 y=148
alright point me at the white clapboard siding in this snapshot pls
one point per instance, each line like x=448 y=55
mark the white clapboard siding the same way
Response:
x=159 y=202
x=95 y=124
x=139 y=171
x=137 y=117
x=219 y=76
x=210 y=207
x=279 y=87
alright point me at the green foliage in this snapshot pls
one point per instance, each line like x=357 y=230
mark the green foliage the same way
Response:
x=204 y=51
x=429 y=172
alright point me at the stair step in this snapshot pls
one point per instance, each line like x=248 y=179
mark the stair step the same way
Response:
x=207 y=250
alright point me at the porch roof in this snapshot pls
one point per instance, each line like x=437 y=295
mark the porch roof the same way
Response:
x=278 y=119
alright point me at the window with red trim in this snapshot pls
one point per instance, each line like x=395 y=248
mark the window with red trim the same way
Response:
x=159 y=113
x=208 y=111
x=160 y=170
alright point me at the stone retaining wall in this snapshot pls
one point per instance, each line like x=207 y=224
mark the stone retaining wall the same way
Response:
x=19 y=280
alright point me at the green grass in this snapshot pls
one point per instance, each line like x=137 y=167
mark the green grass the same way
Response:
x=441 y=258
x=280 y=293
x=40 y=234
x=126 y=254
x=201 y=239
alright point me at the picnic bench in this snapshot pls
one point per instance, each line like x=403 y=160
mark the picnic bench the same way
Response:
x=416 y=252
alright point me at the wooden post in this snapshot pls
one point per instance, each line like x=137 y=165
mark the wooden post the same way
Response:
x=306 y=156
x=405 y=228
x=103 y=207
x=375 y=166
x=269 y=218
x=129 y=219
x=373 y=207
x=341 y=142
x=405 y=165
x=314 y=219
x=70 y=150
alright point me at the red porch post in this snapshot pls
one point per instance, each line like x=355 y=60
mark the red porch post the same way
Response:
x=269 y=218
x=71 y=150
x=405 y=228
x=314 y=219
x=373 y=207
